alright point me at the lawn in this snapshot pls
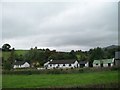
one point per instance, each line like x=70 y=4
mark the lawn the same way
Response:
x=59 y=80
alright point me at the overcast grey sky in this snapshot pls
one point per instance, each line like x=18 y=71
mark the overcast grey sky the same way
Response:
x=60 y=25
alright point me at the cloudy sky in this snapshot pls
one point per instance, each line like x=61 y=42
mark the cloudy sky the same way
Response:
x=60 y=25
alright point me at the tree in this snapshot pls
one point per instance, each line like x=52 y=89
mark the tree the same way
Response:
x=7 y=65
x=96 y=53
x=47 y=54
x=6 y=47
x=20 y=57
x=12 y=56
x=35 y=56
x=72 y=54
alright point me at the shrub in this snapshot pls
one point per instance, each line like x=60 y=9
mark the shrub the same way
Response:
x=57 y=71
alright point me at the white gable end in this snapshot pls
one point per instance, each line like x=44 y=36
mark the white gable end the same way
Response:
x=25 y=65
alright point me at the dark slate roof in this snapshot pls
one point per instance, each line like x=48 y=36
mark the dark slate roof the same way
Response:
x=62 y=61
x=19 y=62
x=117 y=55
x=82 y=62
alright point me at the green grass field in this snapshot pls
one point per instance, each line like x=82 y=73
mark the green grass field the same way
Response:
x=59 y=80
x=7 y=54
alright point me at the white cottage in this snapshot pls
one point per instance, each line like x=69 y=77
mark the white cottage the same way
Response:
x=21 y=64
x=103 y=63
x=61 y=64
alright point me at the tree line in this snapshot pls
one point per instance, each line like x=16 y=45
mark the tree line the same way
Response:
x=37 y=57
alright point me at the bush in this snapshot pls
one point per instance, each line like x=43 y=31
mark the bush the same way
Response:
x=58 y=71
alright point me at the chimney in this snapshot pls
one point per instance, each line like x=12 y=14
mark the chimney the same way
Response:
x=51 y=60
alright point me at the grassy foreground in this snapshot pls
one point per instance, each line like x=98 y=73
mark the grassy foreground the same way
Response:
x=59 y=80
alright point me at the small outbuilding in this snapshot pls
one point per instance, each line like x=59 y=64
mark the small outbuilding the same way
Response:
x=83 y=64
x=117 y=58
x=21 y=64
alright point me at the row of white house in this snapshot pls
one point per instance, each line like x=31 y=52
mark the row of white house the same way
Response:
x=73 y=63
x=52 y=64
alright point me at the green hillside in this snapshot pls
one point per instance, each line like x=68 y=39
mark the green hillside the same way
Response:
x=7 y=54
x=21 y=52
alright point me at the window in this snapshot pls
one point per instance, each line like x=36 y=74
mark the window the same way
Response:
x=69 y=64
x=50 y=64
x=96 y=63
x=63 y=64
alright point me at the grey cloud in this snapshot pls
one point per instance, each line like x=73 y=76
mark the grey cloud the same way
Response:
x=23 y=19
x=60 y=25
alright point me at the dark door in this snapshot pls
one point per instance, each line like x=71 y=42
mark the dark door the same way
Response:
x=109 y=64
x=101 y=64
x=82 y=65
x=77 y=65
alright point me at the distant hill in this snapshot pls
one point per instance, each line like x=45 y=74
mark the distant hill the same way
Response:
x=111 y=47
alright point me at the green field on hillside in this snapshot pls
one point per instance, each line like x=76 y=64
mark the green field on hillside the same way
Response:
x=59 y=80
x=18 y=52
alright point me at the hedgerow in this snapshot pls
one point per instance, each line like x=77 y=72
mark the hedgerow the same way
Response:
x=57 y=71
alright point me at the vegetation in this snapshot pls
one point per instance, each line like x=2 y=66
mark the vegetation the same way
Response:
x=19 y=78
x=59 y=80
x=6 y=55
x=37 y=57
x=6 y=47
x=31 y=71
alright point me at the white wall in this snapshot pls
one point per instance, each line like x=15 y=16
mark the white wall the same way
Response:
x=106 y=65
x=25 y=65
x=94 y=65
x=61 y=65
x=76 y=64
x=16 y=66
x=87 y=64
x=46 y=63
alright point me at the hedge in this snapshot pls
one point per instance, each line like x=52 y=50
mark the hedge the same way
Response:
x=57 y=71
